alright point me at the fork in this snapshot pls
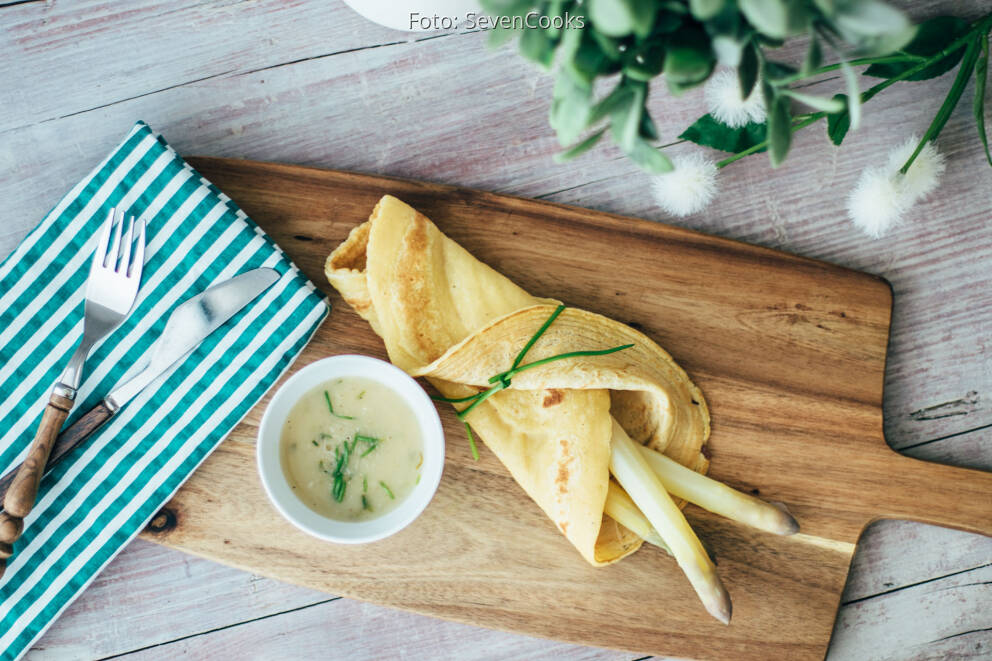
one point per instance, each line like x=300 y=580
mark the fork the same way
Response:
x=110 y=292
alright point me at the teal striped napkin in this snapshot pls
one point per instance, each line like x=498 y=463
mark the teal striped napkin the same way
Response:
x=105 y=491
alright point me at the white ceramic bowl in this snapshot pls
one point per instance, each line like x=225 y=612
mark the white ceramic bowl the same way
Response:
x=274 y=480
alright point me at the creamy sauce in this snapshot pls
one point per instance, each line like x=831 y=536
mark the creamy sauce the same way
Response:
x=359 y=461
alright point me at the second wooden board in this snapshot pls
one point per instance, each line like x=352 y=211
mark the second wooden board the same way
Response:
x=790 y=353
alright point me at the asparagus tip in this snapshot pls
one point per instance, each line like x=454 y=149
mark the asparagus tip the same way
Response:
x=786 y=523
x=718 y=602
x=790 y=525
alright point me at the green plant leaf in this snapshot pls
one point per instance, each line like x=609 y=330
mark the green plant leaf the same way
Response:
x=777 y=19
x=536 y=46
x=667 y=22
x=816 y=102
x=555 y=8
x=978 y=107
x=853 y=95
x=650 y=158
x=873 y=26
x=621 y=94
x=648 y=129
x=931 y=37
x=613 y=18
x=777 y=70
x=588 y=60
x=779 y=131
x=610 y=46
x=626 y=121
x=644 y=12
x=839 y=122
x=708 y=132
x=704 y=10
x=645 y=61
x=688 y=60
x=580 y=148
x=747 y=72
x=570 y=109
x=814 y=54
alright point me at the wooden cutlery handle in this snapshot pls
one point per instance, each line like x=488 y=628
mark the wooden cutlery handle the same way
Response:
x=70 y=437
x=24 y=489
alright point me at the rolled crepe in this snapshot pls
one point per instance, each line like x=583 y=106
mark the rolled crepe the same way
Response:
x=446 y=316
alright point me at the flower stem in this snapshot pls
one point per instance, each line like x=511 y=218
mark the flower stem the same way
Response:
x=801 y=124
x=979 y=27
x=953 y=96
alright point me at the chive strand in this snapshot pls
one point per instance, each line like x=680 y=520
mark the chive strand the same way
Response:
x=389 y=492
x=330 y=407
x=533 y=340
x=454 y=400
x=501 y=381
x=507 y=375
x=481 y=397
x=471 y=443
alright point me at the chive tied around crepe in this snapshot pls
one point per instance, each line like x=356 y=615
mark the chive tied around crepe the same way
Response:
x=501 y=381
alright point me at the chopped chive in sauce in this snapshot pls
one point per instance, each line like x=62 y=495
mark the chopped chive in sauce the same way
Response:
x=365 y=504
x=330 y=407
x=365 y=484
x=372 y=441
x=342 y=453
x=315 y=443
x=418 y=480
x=387 y=490
x=361 y=395
x=326 y=437
x=339 y=486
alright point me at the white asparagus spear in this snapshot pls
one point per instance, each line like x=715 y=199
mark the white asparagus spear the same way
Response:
x=622 y=509
x=632 y=471
x=717 y=497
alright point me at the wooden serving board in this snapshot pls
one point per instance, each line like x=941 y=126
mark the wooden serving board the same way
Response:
x=790 y=353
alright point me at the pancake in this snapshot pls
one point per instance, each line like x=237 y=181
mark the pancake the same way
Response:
x=450 y=318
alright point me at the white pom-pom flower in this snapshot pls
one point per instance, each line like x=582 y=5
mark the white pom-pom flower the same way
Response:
x=877 y=202
x=724 y=100
x=689 y=187
x=884 y=195
x=924 y=174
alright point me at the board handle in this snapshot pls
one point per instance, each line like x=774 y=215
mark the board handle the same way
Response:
x=928 y=492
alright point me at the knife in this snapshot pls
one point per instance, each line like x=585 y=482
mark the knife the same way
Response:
x=189 y=324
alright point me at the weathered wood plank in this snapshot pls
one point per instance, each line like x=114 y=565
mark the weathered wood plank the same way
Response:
x=892 y=555
x=932 y=634
x=75 y=56
x=954 y=624
x=143 y=598
x=351 y=629
x=150 y=595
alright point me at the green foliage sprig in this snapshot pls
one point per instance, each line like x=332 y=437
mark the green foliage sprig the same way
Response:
x=635 y=41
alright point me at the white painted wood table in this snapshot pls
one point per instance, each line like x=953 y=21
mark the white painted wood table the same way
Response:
x=315 y=84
